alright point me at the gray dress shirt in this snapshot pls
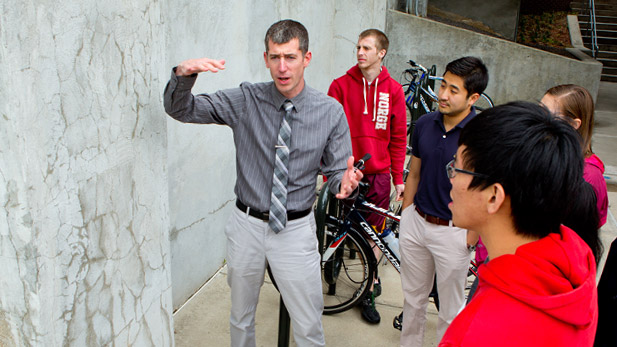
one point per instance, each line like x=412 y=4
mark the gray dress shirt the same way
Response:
x=319 y=135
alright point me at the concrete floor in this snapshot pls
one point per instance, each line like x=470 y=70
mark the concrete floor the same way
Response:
x=203 y=320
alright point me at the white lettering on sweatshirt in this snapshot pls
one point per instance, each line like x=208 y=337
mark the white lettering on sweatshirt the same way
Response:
x=383 y=108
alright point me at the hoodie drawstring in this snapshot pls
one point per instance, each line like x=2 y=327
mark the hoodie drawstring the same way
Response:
x=364 y=88
x=375 y=100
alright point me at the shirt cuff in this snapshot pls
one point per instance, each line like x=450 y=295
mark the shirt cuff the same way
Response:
x=397 y=178
x=182 y=82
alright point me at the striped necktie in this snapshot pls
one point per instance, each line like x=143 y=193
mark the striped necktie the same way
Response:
x=278 y=199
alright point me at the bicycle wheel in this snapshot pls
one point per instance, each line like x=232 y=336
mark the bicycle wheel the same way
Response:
x=416 y=107
x=483 y=103
x=347 y=274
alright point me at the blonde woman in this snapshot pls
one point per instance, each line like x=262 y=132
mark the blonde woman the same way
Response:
x=575 y=104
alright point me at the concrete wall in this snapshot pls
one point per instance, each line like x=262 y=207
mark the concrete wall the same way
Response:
x=89 y=208
x=95 y=230
x=201 y=157
x=84 y=247
x=499 y=15
x=516 y=72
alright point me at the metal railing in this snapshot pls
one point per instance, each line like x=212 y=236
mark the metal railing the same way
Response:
x=409 y=6
x=591 y=27
x=416 y=7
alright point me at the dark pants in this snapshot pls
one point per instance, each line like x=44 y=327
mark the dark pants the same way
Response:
x=606 y=335
x=378 y=194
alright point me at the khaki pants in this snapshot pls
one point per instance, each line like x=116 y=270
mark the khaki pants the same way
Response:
x=427 y=248
x=295 y=263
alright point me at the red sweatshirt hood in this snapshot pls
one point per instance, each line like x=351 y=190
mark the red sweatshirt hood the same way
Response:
x=555 y=275
x=356 y=74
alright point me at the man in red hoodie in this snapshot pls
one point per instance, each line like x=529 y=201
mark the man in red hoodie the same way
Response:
x=375 y=107
x=518 y=172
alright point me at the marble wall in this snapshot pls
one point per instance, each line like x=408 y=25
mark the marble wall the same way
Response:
x=84 y=248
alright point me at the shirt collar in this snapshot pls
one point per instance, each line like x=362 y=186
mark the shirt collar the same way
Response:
x=469 y=117
x=298 y=101
x=461 y=124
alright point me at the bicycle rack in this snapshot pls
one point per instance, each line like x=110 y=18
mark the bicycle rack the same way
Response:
x=284 y=325
x=417 y=109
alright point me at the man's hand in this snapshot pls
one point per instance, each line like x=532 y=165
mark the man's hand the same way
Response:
x=191 y=66
x=400 y=188
x=350 y=180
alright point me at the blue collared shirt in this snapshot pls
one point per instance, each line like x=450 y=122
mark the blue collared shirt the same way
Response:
x=435 y=147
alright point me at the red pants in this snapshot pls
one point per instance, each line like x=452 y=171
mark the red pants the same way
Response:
x=378 y=194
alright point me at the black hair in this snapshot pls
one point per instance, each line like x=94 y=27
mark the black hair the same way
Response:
x=472 y=71
x=538 y=160
x=286 y=30
x=582 y=217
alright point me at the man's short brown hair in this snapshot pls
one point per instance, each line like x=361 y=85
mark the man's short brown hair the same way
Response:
x=286 y=30
x=380 y=38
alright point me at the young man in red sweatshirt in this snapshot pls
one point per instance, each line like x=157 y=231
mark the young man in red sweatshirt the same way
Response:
x=517 y=174
x=375 y=107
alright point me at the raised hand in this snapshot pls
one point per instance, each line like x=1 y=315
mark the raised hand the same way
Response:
x=191 y=66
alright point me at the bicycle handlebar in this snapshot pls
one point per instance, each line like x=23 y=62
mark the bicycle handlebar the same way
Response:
x=416 y=65
x=360 y=163
x=414 y=71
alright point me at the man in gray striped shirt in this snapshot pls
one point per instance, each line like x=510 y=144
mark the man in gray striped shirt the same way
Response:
x=319 y=138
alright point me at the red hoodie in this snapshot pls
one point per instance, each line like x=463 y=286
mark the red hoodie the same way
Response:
x=543 y=295
x=377 y=120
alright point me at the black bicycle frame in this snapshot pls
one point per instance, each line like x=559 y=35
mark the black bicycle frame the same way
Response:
x=355 y=217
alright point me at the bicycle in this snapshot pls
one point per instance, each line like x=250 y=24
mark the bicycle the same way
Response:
x=348 y=263
x=419 y=94
x=343 y=247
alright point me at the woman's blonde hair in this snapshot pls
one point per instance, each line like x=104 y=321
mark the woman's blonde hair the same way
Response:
x=576 y=102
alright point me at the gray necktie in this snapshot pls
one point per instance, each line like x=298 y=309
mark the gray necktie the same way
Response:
x=278 y=199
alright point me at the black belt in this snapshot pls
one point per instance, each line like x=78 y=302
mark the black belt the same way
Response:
x=265 y=216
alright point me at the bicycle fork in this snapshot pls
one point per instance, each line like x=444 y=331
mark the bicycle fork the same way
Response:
x=333 y=246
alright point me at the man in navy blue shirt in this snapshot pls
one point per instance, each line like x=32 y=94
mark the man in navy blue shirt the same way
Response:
x=429 y=242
